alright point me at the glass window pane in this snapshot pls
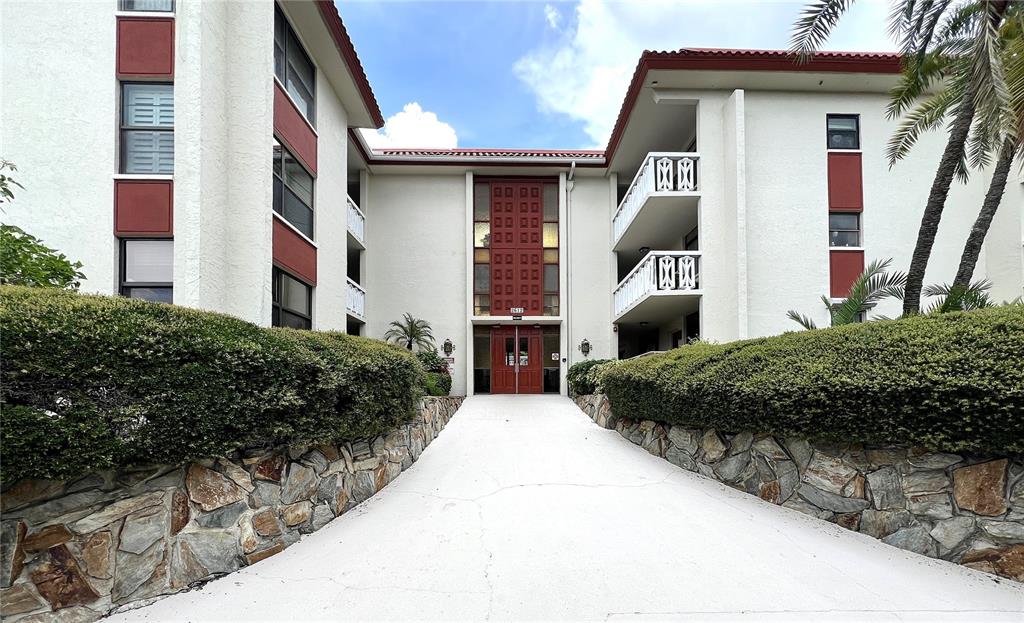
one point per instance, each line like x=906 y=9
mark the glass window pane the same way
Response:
x=148 y=261
x=482 y=351
x=148 y=151
x=524 y=351
x=481 y=235
x=288 y=319
x=297 y=213
x=278 y=157
x=278 y=196
x=550 y=235
x=550 y=304
x=279 y=44
x=150 y=105
x=844 y=221
x=844 y=238
x=157 y=295
x=481 y=202
x=482 y=256
x=294 y=294
x=482 y=278
x=156 y=6
x=482 y=305
x=297 y=179
x=842 y=123
x=550 y=256
x=550 y=202
x=551 y=277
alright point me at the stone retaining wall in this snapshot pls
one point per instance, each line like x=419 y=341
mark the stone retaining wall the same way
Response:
x=968 y=510
x=86 y=547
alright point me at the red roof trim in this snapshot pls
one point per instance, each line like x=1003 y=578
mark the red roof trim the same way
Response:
x=714 y=59
x=493 y=153
x=332 y=20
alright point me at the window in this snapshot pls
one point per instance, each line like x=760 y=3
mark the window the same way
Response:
x=481 y=249
x=843 y=229
x=151 y=6
x=147 y=128
x=293 y=302
x=147 y=269
x=293 y=191
x=550 y=242
x=293 y=68
x=843 y=131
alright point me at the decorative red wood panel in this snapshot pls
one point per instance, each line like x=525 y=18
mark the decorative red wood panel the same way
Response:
x=844 y=267
x=516 y=365
x=845 y=183
x=143 y=208
x=294 y=253
x=145 y=47
x=517 y=255
x=291 y=128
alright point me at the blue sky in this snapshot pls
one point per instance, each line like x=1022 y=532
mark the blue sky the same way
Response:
x=546 y=74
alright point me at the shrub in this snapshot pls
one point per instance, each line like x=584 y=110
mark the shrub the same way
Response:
x=952 y=382
x=438 y=383
x=432 y=361
x=26 y=261
x=93 y=382
x=579 y=376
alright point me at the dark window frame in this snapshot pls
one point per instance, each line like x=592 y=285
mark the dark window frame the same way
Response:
x=124 y=6
x=280 y=177
x=828 y=132
x=287 y=52
x=123 y=286
x=859 y=230
x=124 y=128
x=277 y=306
x=555 y=310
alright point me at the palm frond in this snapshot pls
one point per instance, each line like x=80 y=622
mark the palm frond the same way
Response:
x=953 y=298
x=815 y=24
x=927 y=116
x=800 y=319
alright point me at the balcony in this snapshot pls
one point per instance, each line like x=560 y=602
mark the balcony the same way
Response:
x=356 y=301
x=661 y=285
x=660 y=206
x=356 y=223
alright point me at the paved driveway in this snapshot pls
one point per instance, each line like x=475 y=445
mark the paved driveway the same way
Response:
x=525 y=509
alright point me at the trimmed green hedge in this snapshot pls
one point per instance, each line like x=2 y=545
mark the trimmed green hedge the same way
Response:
x=92 y=382
x=579 y=376
x=439 y=383
x=951 y=382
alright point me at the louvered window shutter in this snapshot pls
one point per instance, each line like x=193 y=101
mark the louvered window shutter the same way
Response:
x=148 y=123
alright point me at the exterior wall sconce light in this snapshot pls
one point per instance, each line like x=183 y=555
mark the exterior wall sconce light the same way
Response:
x=585 y=347
x=448 y=348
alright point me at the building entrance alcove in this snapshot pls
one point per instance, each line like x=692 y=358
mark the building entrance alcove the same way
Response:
x=516 y=359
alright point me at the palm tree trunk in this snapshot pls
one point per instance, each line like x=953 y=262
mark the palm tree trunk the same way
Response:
x=993 y=198
x=408 y=344
x=951 y=156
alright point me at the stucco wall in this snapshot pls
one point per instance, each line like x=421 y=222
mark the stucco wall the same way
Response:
x=590 y=274
x=58 y=124
x=1004 y=263
x=416 y=258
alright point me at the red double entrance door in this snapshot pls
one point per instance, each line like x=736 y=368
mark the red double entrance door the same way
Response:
x=516 y=366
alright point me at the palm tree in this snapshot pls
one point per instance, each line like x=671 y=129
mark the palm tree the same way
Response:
x=871 y=286
x=409 y=331
x=930 y=32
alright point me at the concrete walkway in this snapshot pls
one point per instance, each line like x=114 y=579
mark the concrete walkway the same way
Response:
x=525 y=509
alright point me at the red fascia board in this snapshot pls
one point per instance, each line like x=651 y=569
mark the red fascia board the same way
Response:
x=744 y=60
x=332 y=19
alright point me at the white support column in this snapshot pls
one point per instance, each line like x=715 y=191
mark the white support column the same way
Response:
x=566 y=339
x=467 y=348
x=741 y=212
x=613 y=195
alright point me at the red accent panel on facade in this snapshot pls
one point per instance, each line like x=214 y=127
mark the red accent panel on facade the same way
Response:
x=143 y=208
x=845 y=182
x=145 y=47
x=291 y=128
x=293 y=253
x=517 y=264
x=844 y=267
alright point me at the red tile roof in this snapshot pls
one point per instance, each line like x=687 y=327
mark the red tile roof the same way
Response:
x=329 y=13
x=492 y=153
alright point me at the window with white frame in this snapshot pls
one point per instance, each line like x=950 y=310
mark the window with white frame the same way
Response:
x=147 y=128
x=843 y=229
x=147 y=269
x=292 y=301
x=148 y=6
x=293 y=191
x=843 y=131
x=293 y=67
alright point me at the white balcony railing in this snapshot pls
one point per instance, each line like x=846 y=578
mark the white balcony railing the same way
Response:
x=659 y=173
x=662 y=272
x=356 y=299
x=356 y=220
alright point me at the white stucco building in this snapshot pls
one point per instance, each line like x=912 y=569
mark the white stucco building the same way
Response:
x=736 y=185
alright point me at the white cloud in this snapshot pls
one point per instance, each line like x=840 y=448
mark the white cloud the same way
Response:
x=552 y=15
x=585 y=72
x=412 y=127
